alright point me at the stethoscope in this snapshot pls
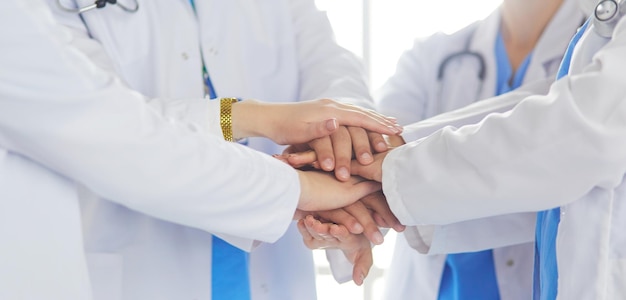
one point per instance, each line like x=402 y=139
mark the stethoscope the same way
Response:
x=606 y=15
x=464 y=53
x=99 y=4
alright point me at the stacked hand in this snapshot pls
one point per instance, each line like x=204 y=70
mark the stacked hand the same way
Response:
x=351 y=226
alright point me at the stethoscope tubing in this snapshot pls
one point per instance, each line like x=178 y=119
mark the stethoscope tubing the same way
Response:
x=98 y=4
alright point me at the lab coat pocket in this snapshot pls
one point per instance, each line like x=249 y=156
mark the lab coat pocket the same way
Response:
x=105 y=273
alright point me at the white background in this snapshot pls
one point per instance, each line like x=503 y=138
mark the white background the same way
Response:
x=389 y=29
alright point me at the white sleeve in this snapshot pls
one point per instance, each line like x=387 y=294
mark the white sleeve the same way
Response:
x=475 y=112
x=326 y=69
x=66 y=113
x=546 y=152
x=472 y=235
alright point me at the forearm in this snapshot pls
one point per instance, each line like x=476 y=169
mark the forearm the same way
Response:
x=82 y=122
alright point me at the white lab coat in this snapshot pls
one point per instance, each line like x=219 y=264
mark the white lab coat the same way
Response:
x=415 y=93
x=565 y=148
x=65 y=123
x=281 y=51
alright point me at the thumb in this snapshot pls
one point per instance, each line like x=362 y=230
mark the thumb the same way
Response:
x=324 y=128
x=362 y=265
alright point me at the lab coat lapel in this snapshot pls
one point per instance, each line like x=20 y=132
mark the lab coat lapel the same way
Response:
x=483 y=42
x=554 y=40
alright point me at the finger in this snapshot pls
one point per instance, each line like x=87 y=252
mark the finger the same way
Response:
x=361 y=145
x=301 y=158
x=363 y=215
x=361 y=256
x=372 y=171
x=309 y=223
x=342 y=147
x=280 y=157
x=323 y=148
x=369 y=120
x=378 y=142
x=320 y=129
x=378 y=203
x=323 y=230
x=380 y=221
x=341 y=217
x=306 y=236
x=362 y=264
x=396 y=140
x=365 y=188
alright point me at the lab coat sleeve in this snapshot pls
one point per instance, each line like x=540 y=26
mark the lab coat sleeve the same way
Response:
x=66 y=113
x=475 y=112
x=472 y=235
x=549 y=150
x=326 y=69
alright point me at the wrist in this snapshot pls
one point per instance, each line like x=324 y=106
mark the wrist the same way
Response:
x=304 y=190
x=247 y=119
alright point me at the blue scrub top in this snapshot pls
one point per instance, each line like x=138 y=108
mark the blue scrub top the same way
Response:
x=473 y=275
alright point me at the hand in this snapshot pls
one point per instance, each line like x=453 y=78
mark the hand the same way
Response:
x=301 y=122
x=356 y=247
x=321 y=191
x=363 y=216
x=373 y=171
x=334 y=152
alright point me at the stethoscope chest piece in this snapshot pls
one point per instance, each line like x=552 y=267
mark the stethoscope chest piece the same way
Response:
x=606 y=16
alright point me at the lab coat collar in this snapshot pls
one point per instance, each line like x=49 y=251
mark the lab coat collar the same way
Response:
x=554 y=40
x=547 y=53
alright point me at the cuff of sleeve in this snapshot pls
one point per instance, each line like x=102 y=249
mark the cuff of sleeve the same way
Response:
x=391 y=189
x=213 y=124
x=340 y=266
x=241 y=243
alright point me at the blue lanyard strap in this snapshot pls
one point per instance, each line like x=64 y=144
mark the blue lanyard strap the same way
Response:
x=229 y=265
x=545 y=285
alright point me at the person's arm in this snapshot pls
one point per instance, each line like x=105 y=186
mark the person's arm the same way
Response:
x=548 y=151
x=66 y=113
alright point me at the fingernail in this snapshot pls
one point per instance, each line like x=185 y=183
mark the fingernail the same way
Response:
x=382 y=146
x=358 y=228
x=343 y=173
x=362 y=277
x=327 y=164
x=366 y=156
x=331 y=124
x=398 y=227
x=378 y=238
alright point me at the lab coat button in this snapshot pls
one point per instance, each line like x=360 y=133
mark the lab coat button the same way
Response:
x=185 y=56
x=510 y=263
